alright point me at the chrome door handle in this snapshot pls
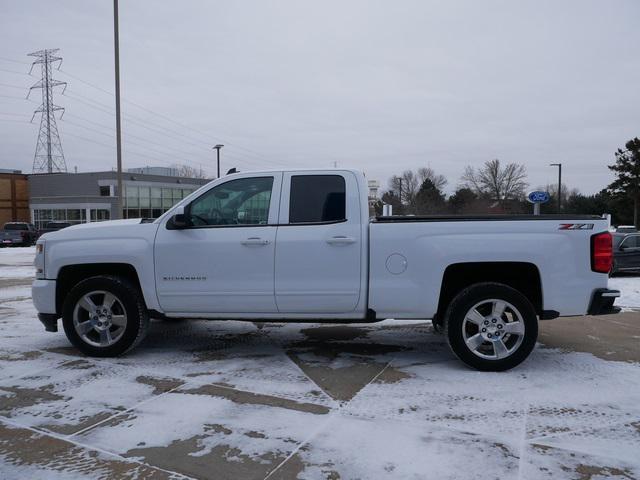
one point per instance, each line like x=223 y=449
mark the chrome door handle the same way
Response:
x=341 y=240
x=255 y=241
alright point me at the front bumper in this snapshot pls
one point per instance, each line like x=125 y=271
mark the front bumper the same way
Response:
x=602 y=302
x=43 y=293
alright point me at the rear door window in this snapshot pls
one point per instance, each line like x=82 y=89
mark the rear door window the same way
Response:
x=317 y=199
x=631 y=242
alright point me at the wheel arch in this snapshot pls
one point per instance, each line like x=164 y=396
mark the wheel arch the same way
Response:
x=521 y=276
x=70 y=275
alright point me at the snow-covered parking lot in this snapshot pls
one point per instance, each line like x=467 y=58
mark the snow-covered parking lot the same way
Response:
x=236 y=400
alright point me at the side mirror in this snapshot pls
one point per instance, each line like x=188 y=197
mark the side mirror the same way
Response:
x=179 y=220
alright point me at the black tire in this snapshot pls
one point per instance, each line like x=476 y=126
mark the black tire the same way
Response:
x=130 y=298
x=462 y=304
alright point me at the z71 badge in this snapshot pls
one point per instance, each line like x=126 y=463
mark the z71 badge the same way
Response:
x=576 y=226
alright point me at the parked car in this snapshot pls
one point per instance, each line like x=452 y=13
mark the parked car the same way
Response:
x=18 y=234
x=298 y=246
x=626 y=229
x=626 y=253
x=54 y=227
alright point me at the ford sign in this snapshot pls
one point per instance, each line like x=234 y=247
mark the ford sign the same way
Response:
x=538 y=197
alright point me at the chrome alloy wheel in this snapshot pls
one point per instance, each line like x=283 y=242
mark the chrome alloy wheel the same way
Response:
x=493 y=329
x=99 y=318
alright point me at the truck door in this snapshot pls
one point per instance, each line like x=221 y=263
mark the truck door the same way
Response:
x=319 y=244
x=223 y=262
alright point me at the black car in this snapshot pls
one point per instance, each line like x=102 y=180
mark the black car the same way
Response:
x=54 y=227
x=626 y=253
x=18 y=234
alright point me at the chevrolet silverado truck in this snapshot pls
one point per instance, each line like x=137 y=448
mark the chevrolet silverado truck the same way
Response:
x=299 y=246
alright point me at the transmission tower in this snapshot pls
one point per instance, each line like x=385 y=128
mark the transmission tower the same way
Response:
x=48 y=157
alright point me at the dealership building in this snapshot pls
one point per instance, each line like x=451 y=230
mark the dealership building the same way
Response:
x=92 y=197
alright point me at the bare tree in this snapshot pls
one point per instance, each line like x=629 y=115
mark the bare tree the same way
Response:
x=427 y=173
x=406 y=185
x=498 y=183
x=567 y=192
x=189 y=171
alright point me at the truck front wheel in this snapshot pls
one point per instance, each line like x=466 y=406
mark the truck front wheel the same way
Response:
x=491 y=326
x=104 y=316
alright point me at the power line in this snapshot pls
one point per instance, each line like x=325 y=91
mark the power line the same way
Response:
x=86 y=83
x=127 y=141
x=258 y=159
x=11 y=86
x=129 y=152
x=15 y=121
x=14 y=114
x=143 y=139
x=18 y=98
x=13 y=71
x=144 y=123
x=14 y=61
x=200 y=132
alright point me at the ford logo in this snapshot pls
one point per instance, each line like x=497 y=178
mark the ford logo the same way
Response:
x=538 y=197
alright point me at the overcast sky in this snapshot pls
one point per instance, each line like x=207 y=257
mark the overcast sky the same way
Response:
x=376 y=85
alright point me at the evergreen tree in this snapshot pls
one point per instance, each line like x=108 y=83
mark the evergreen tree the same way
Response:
x=429 y=199
x=627 y=169
x=462 y=201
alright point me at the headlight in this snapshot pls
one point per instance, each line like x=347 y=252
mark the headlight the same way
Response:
x=38 y=262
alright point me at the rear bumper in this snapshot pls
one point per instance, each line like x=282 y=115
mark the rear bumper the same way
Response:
x=602 y=302
x=9 y=242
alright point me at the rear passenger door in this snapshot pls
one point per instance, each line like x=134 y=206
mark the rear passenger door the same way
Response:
x=318 y=244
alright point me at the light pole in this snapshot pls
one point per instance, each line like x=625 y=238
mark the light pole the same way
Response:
x=217 y=148
x=116 y=45
x=559 y=165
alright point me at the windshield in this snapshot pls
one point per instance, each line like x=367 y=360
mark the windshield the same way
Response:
x=16 y=226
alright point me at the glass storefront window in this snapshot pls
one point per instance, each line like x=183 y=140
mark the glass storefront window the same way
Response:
x=72 y=215
x=99 y=215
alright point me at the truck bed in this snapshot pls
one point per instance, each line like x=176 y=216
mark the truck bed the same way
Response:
x=479 y=218
x=409 y=257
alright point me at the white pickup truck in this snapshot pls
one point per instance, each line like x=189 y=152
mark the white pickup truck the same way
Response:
x=298 y=245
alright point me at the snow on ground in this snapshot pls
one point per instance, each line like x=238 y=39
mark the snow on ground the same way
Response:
x=204 y=399
x=629 y=287
x=11 y=256
x=16 y=262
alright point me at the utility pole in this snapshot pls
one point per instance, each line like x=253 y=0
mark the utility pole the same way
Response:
x=48 y=157
x=400 y=190
x=217 y=148
x=559 y=165
x=116 y=48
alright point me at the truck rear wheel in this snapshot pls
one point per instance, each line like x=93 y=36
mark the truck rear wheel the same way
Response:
x=491 y=327
x=104 y=316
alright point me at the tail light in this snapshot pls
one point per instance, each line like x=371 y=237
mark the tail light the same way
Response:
x=601 y=252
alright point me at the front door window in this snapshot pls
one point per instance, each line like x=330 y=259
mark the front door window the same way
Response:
x=244 y=201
